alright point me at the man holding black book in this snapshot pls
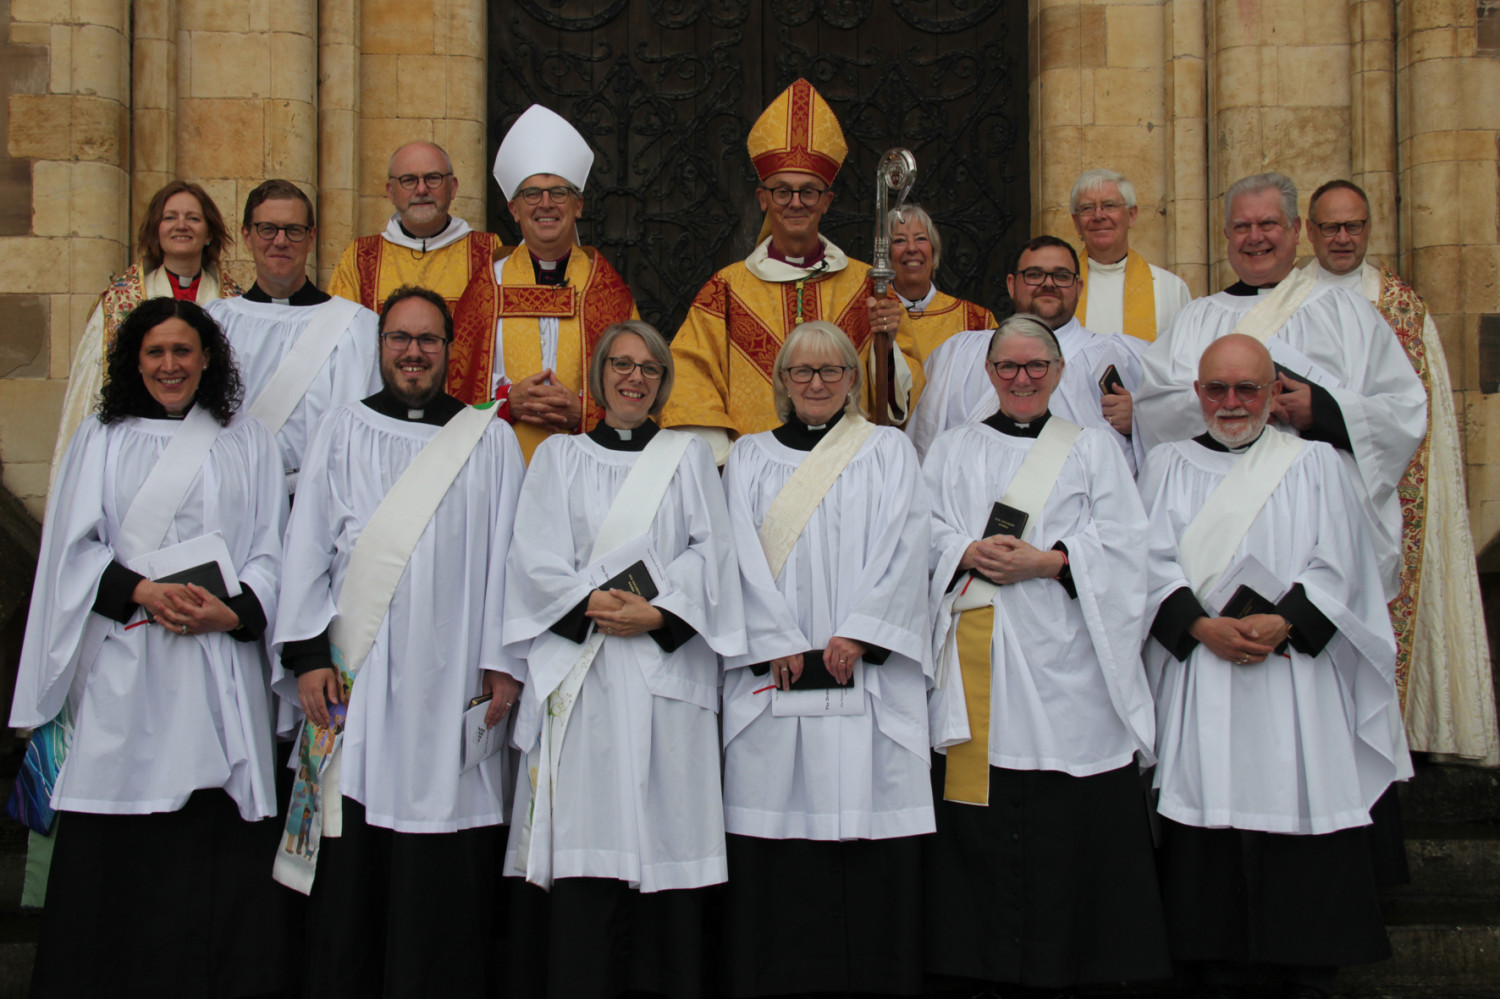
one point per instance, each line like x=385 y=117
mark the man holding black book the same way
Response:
x=1277 y=721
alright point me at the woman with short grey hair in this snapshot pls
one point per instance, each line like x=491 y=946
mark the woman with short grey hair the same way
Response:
x=931 y=315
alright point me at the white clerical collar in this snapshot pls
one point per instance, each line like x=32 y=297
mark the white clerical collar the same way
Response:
x=455 y=230
x=761 y=264
x=1118 y=267
x=624 y=433
x=546 y=265
x=920 y=304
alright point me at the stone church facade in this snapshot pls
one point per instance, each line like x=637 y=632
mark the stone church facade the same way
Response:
x=102 y=101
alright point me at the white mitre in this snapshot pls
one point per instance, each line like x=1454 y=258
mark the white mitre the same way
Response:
x=541 y=141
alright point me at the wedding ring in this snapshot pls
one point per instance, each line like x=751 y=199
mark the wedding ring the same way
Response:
x=184 y=629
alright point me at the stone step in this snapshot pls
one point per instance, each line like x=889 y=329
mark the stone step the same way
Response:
x=1439 y=947
x=1443 y=792
x=1452 y=860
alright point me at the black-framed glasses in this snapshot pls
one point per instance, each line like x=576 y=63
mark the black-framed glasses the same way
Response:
x=1007 y=370
x=828 y=373
x=809 y=196
x=622 y=365
x=268 y=230
x=409 y=180
x=1036 y=277
x=1102 y=207
x=400 y=340
x=1353 y=227
x=1243 y=391
x=558 y=194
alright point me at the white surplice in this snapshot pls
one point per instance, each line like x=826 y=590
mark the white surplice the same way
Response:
x=262 y=333
x=402 y=740
x=858 y=570
x=1382 y=401
x=157 y=715
x=1291 y=745
x=1067 y=691
x=637 y=795
x=958 y=389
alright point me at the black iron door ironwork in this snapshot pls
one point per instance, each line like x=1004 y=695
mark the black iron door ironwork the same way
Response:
x=666 y=90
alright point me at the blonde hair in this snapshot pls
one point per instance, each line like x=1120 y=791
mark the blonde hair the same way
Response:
x=656 y=345
x=818 y=336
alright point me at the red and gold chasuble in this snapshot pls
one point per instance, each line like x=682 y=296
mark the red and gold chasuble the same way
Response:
x=943 y=317
x=1406 y=314
x=593 y=297
x=726 y=348
x=372 y=267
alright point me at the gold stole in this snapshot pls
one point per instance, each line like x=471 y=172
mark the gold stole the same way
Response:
x=1138 y=311
x=967 y=777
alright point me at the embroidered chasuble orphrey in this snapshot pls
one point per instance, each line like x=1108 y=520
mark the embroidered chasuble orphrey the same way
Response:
x=589 y=300
x=372 y=267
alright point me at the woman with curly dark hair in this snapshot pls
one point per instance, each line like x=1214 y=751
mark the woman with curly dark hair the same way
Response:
x=166 y=728
x=180 y=243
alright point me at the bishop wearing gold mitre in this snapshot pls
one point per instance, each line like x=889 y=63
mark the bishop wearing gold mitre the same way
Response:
x=726 y=348
x=525 y=327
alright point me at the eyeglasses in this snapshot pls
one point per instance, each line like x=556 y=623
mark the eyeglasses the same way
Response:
x=1353 y=227
x=1007 y=370
x=809 y=196
x=533 y=195
x=828 y=373
x=650 y=370
x=268 y=230
x=1102 y=207
x=409 y=180
x=1243 y=391
x=1036 y=277
x=400 y=340
x=1243 y=228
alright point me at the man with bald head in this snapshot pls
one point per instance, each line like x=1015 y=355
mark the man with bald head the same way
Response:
x=1343 y=377
x=1442 y=651
x=1277 y=721
x=422 y=245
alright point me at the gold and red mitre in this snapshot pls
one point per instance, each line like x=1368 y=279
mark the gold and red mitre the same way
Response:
x=798 y=131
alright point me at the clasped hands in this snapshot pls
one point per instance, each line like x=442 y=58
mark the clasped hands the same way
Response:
x=184 y=608
x=838 y=659
x=1002 y=559
x=543 y=401
x=1241 y=640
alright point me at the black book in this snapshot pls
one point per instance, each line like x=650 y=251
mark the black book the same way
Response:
x=635 y=579
x=207 y=575
x=815 y=675
x=1005 y=520
x=1246 y=602
x=1109 y=380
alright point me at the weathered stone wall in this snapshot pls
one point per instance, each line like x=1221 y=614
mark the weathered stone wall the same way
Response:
x=105 y=100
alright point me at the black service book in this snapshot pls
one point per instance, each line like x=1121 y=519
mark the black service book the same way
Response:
x=635 y=579
x=1005 y=520
x=1247 y=601
x=207 y=575
x=1109 y=380
x=815 y=675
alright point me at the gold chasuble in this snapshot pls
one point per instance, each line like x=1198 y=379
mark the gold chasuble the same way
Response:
x=943 y=317
x=726 y=348
x=372 y=267
x=1138 y=311
x=593 y=297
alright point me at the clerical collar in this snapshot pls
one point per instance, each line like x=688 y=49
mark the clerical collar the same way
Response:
x=917 y=304
x=615 y=439
x=153 y=410
x=553 y=272
x=1243 y=290
x=424 y=240
x=809 y=262
x=1011 y=428
x=436 y=413
x=183 y=280
x=800 y=437
x=1208 y=441
x=308 y=294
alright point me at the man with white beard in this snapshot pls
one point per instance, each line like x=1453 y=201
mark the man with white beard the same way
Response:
x=1273 y=662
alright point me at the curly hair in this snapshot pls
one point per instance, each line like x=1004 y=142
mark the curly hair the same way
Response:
x=148 y=240
x=125 y=393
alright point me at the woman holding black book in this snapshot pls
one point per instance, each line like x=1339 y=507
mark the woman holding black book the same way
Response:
x=159 y=881
x=629 y=593
x=825 y=716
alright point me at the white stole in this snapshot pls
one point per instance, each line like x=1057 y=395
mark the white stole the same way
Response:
x=798 y=499
x=1210 y=541
x=1267 y=316
x=289 y=383
x=629 y=516
x=155 y=506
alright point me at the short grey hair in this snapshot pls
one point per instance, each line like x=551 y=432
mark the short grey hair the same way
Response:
x=817 y=336
x=1093 y=180
x=656 y=345
x=920 y=214
x=1025 y=324
x=1256 y=183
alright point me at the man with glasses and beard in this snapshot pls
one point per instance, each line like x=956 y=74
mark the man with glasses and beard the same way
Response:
x=301 y=351
x=1273 y=660
x=1343 y=377
x=422 y=244
x=389 y=632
